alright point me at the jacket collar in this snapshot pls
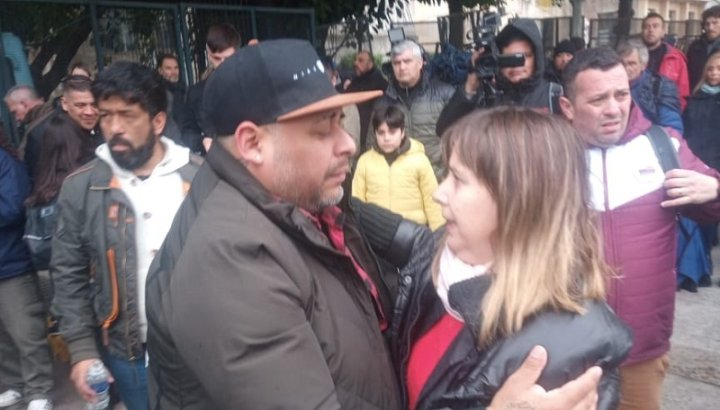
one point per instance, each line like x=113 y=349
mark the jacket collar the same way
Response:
x=637 y=125
x=289 y=217
x=396 y=92
x=466 y=298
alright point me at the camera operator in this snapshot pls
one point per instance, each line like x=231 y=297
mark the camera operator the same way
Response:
x=523 y=85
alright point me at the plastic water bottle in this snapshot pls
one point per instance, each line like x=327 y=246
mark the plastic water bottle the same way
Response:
x=97 y=379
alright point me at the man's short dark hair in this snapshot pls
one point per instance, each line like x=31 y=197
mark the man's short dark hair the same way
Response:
x=651 y=15
x=392 y=115
x=134 y=84
x=598 y=58
x=222 y=36
x=713 y=11
x=76 y=83
x=164 y=56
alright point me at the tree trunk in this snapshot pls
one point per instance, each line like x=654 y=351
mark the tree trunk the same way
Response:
x=578 y=23
x=625 y=15
x=64 y=49
x=457 y=26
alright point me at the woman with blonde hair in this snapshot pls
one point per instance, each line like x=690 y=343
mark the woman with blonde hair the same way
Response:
x=701 y=121
x=519 y=265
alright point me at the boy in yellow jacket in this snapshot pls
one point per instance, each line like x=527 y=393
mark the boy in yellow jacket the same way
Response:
x=395 y=174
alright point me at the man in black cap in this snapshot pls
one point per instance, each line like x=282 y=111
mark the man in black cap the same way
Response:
x=265 y=294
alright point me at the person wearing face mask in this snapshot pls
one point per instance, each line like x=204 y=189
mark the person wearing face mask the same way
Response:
x=524 y=85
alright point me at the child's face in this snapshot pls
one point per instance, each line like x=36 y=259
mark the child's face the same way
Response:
x=712 y=75
x=389 y=139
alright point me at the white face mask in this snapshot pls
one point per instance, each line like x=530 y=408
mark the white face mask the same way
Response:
x=452 y=271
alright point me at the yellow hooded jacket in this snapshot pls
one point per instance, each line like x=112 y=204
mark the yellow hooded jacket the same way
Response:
x=404 y=187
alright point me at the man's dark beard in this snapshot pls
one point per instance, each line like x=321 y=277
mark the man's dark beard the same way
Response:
x=133 y=158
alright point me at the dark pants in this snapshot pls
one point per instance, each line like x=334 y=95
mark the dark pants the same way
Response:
x=25 y=363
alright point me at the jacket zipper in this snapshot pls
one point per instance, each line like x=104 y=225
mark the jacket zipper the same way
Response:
x=607 y=227
x=407 y=342
x=110 y=253
x=123 y=238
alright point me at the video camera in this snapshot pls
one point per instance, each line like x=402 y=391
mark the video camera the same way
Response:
x=488 y=64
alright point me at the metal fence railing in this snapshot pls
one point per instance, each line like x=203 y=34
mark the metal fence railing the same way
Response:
x=602 y=31
x=57 y=33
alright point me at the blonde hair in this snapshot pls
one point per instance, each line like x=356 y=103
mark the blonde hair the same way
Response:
x=703 y=81
x=546 y=248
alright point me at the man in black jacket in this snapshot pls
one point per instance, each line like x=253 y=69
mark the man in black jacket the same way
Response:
x=367 y=78
x=265 y=294
x=169 y=69
x=221 y=42
x=524 y=85
x=700 y=49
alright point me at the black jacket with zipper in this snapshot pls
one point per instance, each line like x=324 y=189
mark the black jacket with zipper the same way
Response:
x=250 y=306
x=467 y=377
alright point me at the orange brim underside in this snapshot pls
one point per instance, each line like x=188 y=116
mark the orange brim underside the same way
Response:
x=336 y=101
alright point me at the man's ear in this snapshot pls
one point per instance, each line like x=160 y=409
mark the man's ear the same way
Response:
x=63 y=103
x=567 y=108
x=249 y=142
x=158 y=123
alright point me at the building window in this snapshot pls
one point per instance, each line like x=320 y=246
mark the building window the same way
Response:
x=673 y=15
x=691 y=15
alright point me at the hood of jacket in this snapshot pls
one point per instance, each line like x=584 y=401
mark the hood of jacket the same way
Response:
x=528 y=29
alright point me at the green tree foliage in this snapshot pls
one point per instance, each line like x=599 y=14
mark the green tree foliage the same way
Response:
x=53 y=31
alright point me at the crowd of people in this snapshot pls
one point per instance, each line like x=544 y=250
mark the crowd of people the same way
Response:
x=276 y=237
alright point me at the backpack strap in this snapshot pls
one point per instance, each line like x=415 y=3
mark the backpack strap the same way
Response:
x=664 y=149
x=668 y=157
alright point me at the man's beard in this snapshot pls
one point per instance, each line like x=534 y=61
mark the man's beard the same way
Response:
x=132 y=158
x=291 y=188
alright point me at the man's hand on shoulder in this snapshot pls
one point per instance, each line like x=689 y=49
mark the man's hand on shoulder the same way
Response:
x=521 y=392
x=685 y=187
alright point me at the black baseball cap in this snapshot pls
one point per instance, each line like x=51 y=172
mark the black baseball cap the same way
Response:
x=271 y=81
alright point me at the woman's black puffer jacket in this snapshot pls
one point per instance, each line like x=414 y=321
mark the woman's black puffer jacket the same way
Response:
x=468 y=378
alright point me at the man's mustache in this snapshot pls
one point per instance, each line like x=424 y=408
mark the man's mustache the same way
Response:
x=118 y=140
